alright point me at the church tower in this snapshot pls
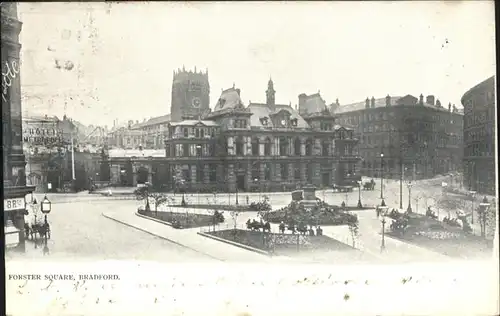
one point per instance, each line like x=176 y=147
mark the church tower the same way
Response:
x=270 y=95
x=190 y=94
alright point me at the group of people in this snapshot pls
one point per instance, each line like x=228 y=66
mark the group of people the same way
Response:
x=294 y=228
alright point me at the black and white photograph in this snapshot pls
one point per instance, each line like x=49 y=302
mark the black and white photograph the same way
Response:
x=231 y=145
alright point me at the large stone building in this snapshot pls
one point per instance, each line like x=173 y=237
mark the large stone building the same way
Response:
x=260 y=147
x=417 y=135
x=14 y=178
x=479 y=137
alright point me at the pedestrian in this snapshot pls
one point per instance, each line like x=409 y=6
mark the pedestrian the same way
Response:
x=247 y=199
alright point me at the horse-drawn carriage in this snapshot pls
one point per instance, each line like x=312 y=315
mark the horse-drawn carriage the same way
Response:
x=369 y=186
x=255 y=225
x=42 y=229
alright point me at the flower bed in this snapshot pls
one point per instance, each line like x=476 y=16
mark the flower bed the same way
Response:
x=322 y=214
x=183 y=220
x=279 y=243
x=219 y=207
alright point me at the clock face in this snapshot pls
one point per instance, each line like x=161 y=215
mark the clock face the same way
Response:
x=283 y=122
x=196 y=102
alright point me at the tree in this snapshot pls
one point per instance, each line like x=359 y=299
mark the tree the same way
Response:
x=234 y=215
x=353 y=224
x=158 y=198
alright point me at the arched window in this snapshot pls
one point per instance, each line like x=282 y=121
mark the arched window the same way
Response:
x=283 y=146
x=309 y=173
x=267 y=147
x=309 y=147
x=256 y=171
x=297 y=171
x=255 y=146
x=297 y=147
x=239 y=146
x=284 y=171
x=267 y=171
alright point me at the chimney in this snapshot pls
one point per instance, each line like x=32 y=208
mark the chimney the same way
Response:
x=337 y=102
x=302 y=103
x=388 y=100
x=367 y=103
x=430 y=100
x=238 y=91
x=449 y=107
x=421 y=99
x=373 y=102
x=438 y=103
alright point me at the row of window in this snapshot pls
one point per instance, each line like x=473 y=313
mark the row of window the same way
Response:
x=479 y=150
x=198 y=132
x=480 y=118
x=478 y=134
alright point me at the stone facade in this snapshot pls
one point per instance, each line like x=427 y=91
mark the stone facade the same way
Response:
x=479 y=137
x=409 y=131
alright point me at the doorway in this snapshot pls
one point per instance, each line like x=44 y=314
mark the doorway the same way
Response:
x=240 y=182
x=325 y=179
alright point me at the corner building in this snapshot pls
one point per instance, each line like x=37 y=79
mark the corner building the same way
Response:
x=479 y=137
x=14 y=174
x=419 y=138
x=259 y=147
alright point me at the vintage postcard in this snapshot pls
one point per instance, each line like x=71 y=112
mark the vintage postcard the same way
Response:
x=254 y=158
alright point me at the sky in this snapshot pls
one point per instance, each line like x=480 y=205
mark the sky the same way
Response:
x=97 y=62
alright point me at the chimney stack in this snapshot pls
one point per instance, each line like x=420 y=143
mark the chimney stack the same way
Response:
x=302 y=103
x=238 y=91
x=449 y=106
x=421 y=99
x=430 y=99
x=388 y=100
x=438 y=103
x=373 y=102
x=367 y=103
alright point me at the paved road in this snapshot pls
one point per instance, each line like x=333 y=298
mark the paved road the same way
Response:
x=80 y=232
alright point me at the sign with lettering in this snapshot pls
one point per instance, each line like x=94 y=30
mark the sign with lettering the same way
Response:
x=14 y=204
x=42 y=134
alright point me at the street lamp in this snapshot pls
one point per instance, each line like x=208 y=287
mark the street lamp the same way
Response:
x=359 y=197
x=383 y=212
x=256 y=181
x=473 y=196
x=46 y=208
x=382 y=179
x=409 y=184
x=482 y=211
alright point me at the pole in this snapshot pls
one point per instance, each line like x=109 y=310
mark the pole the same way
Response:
x=401 y=184
x=46 y=247
x=382 y=246
x=72 y=158
x=409 y=198
x=381 y=176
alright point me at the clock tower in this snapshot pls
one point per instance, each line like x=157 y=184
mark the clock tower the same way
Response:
x=190 y=95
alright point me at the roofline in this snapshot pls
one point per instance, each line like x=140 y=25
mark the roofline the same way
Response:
x=477 y=86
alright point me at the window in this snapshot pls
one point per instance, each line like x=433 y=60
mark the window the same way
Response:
x=267 y=147
x=199 y=173
x=213 y=173
x=198 y=149
x=309 y=172
x=283 y=146
x=267 y=171
x=239 y=146
x=255 y=171
x=186 y=133
x=297 y=146
x=297 y=171
x=202 y=133
x=325 y=148
x=309 y=146
x=294 y=122
x=197 y=133
x=255 y=146
x=284 y=171
x=186 y=174
x=185 y=150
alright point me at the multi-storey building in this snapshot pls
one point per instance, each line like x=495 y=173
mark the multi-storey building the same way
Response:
x=14 y=175
x=262 y=146
x=479 y=137
x=420 y=136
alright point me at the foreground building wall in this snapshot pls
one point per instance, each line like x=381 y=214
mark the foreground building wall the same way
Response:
x=479 y=137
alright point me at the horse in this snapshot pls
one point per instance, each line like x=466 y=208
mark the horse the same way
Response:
x=41 y=229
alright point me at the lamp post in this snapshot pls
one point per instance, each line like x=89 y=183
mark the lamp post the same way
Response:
x=382 y=179
x=256 y=181
x=409 y=184
x=383 y=212
x=473 y=196
x=483 y=209
x=359 y=195
x=46 y=208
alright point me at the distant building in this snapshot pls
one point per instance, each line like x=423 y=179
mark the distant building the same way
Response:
x=479 y=137
x=190 y=95
x=417 y=136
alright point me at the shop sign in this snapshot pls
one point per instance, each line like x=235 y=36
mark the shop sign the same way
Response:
x=14 y=204
x=42 y=134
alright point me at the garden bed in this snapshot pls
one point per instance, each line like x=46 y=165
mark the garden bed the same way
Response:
x=280 y=243
x=449 y=243
x=322 y=214
x=219 y=207
x=185 y=219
